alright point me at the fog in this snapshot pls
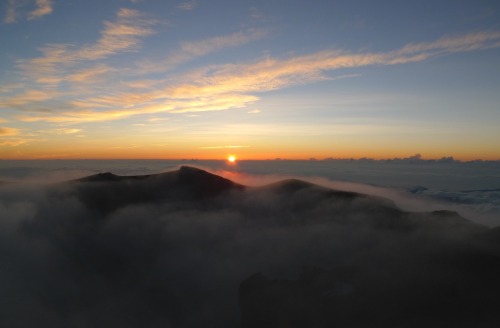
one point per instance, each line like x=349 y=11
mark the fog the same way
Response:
x=471 y=189
x=481 y=206
x=171 y=261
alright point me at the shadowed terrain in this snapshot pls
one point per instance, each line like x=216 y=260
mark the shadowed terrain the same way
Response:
x=106 y=192
x=189 y=249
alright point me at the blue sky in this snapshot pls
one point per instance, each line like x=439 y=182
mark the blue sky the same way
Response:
x=259 y=79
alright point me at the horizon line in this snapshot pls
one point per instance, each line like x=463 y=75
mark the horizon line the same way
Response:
x=277 y=159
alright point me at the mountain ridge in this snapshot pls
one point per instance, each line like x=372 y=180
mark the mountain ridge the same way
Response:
x=107 y=192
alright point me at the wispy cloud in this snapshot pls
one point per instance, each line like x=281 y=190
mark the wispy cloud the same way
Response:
x=468 y=42
x=190 y=50
x=11 y=13
x=89 y=75
x=13 y=143
x=225 y=86
x=63 y=131
x=25 y=98
x=142 y=84
x=187 y=5
x=43 y=8
x=157 y=119
x=270 y=74
x=122 y=35
x=6 y=88
x=7 y=132
x=220 y=102
x=12 y=137
x=203 y=47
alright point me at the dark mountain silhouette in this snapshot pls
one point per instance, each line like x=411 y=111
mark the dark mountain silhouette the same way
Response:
x=310 y=202
x=188 y=248
x=296 y=200
x=107 y=192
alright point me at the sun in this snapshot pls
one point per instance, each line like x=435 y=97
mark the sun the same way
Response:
x=231 y=158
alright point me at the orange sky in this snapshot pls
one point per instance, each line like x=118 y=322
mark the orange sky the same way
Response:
x=161 y=80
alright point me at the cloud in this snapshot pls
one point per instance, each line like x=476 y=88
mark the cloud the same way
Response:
x=26 y=98
x=451 y=44
x=199 y=48
x=43 y=8
x=14 y=143
x=122 y=35
x=7 y=132
x=11 y=15
x=119 y=36
x=6 y=88
x=64 y=131
x=190 y=50
x=142 y=84
x=12 y=137
x=175 y=263
x=201 y=104
x=90 y=75
x=270 y=74
x=209 y=88
x=157 y=119
x=187 y=5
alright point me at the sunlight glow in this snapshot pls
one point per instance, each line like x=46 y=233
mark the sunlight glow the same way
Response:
x=106 y=88
x=231 y=159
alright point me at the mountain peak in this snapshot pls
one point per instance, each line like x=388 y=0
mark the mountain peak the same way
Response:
x=107 y=192
x=99 y=177
x=203 y=183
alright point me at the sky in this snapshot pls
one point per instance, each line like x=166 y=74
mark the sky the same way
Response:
x=257 y=79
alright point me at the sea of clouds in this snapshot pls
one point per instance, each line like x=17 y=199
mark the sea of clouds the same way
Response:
x=469 y=188
x=163 y=264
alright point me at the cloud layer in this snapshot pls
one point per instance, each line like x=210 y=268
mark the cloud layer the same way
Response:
x=175 y=262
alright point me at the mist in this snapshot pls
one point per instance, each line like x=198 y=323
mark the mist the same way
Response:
x=154 y=253
x=483 y=207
